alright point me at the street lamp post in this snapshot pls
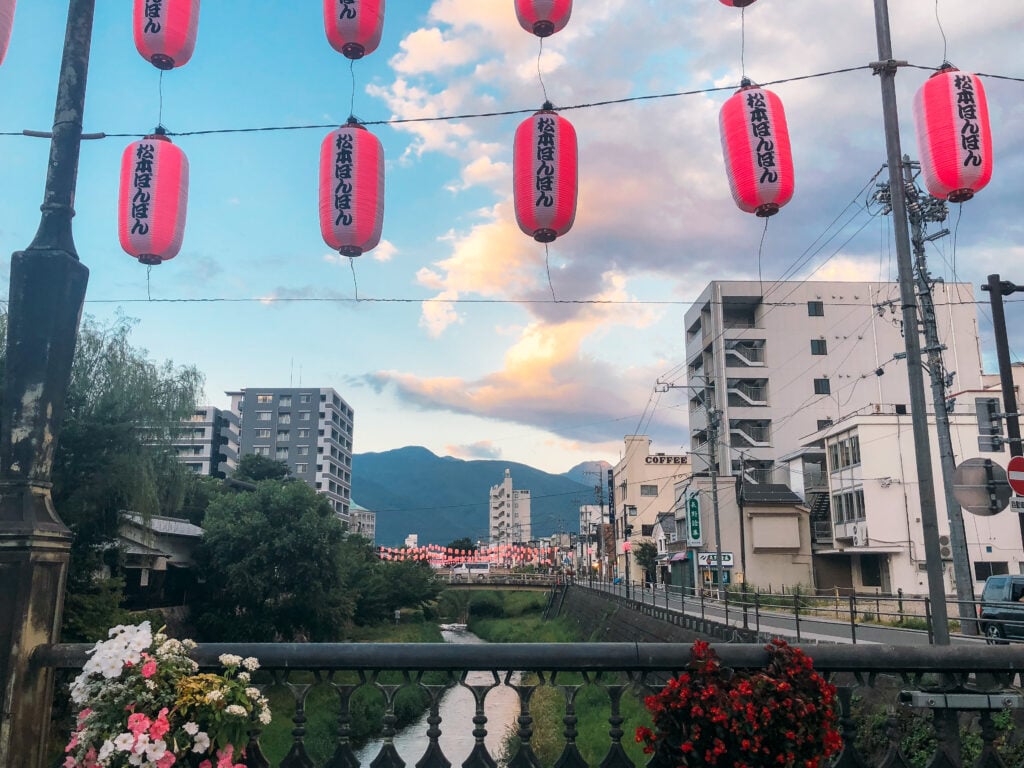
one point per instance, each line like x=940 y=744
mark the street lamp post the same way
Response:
x=625 y=550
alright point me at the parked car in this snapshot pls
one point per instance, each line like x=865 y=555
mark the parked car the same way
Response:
x=471 y=571
x=1001 y=613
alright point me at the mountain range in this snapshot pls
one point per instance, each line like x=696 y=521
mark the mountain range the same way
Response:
x=441 y=498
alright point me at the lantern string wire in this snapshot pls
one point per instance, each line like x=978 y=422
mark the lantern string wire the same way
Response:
x=743 y=43
x=149 y=270
x=352 y=76
x=547 y=267
x=160 y=91
x=540 y=76
x=355 y=284
x=956 y=230
x=760 y=251
x=942 y=32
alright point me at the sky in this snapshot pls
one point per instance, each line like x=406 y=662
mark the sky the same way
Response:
x=448 y=334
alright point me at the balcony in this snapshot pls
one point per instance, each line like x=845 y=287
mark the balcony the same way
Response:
x=744 y=354
x=747 y=392
x=751 y=434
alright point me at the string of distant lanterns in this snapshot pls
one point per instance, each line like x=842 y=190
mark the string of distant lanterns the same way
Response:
x=499 y=554
x=950 y=117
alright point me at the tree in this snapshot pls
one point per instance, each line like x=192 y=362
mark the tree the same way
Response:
x=273 y=563
x=253 y=468
x=465 y=543
x=646 y=554
x=113 y=454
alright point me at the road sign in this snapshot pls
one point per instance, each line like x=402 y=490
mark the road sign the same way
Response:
x=980 y=486
x=694 y=533
x=1015 y=474
x=710 y=559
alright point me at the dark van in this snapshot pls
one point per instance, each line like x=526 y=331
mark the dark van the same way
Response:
x=1001 y=612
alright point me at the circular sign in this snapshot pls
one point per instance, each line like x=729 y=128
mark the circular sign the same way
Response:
x=1015 y=474
x=980 y=486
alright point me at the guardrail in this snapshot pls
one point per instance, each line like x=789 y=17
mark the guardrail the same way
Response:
x=936 y=684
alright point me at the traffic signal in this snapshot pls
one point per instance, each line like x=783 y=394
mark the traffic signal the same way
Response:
x=629 y=530
x=990 y=424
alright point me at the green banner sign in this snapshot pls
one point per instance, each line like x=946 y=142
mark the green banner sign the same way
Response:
x=693 y=529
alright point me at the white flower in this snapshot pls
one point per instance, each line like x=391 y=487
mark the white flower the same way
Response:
x=201 y=743
x=189 y=643
x=252 y=693
x=150 y=685
x=141 y=744
x=134 y=759
x=214 y=695
x=106 y=750
x=243 y=677
x=235 y=710
x=124 y=742
x=264 y=717
x=251 y=663
x=190 y=728
x=155 y=750
x=229 y=659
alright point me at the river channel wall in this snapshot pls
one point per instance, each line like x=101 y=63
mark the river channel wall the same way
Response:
x=603 y=617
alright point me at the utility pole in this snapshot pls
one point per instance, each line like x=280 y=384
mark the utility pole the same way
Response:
x=920 y=210
x=713 y=416
x=886 y=68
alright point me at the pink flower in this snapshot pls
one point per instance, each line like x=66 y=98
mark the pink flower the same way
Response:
x=160 y=726
x=224 y=757
x=84 y=714
x=167 y=760
x=206 y=764
x=149 y=668
x=73 y=743
x=138 y=723
x=69 y=762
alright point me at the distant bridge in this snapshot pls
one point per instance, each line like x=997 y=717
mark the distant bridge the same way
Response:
x=512 y=581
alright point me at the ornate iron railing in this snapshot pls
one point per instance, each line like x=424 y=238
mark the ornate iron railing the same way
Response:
x=953 y=686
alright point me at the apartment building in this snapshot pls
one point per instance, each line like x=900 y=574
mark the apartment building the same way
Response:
x=363 y=522
x=308 y=428
x=207 y=443
x=509 y=513
x=780 y=364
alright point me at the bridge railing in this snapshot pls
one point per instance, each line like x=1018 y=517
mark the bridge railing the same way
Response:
x=943 y=690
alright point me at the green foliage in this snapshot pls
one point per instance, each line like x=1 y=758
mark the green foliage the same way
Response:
x=273 y=560
x=465 y=543
x=646 y=555
x=200 y=491
x=253 y=468
x=121 y=412
x=379 y=587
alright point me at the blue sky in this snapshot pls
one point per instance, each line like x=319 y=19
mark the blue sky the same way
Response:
x=463 y=351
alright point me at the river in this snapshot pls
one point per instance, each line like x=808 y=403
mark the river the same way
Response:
x=457 y=711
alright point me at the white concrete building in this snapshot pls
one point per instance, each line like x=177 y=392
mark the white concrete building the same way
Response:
x=207 y=443
x=642 y=488
x=363 y=522
x=509 y=513
x=780 y=366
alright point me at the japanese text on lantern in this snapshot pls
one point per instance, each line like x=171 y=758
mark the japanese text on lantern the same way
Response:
x=544 y=182
x=141 y=182
x=967 y=110
x=348 y=9
x=343 y=174
x=154 y=11
x=761 y=129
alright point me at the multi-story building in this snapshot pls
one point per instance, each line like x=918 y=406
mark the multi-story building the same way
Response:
x=363 y=522
x=643 y=485
x=309 y=429
x=207 y=443
x=780 y=365
x=509 y=513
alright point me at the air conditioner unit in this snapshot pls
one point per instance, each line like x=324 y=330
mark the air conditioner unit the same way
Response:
x=860 y=535
x=945 y=551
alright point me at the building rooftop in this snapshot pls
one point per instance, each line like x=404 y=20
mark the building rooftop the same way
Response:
x=172 y=526
x=769 y=494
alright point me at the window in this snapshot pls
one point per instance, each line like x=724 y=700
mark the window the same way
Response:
x=262 y=415
x=303 y=415
x=282 y=453
x=262 y=434
x=303 y=398
x=285 y=401
x=197 y=468
x=824 y=423
x=303 y=433
x=855 y=449
x=264 y=398
x=261 y=450
x=821 y=387
x=815 y=309
x=648 y=490
x=983 y=570
x=302 y=450
x=301 y=468
x=282 y=435
x=284 y=418
x=819 y=347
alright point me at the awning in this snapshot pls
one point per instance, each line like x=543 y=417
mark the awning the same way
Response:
x=678 y=556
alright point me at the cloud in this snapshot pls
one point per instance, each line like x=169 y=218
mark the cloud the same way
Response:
x=483 y=449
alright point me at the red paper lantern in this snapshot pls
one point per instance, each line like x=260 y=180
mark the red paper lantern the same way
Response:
x=544 y=171
x=165 y=31
x=153 y=199
x=354 y=26
x=543 y=17
x=953 y=134
x=6 y=23
x=737 y=3
x=351 y=189
x=755 y=143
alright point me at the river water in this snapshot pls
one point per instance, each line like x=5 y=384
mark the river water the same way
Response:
x=457 y=710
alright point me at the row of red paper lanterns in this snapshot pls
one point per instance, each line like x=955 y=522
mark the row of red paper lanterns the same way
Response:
x=950 y=111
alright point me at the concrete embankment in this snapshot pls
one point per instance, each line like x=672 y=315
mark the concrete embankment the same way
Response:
x=602 y=619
